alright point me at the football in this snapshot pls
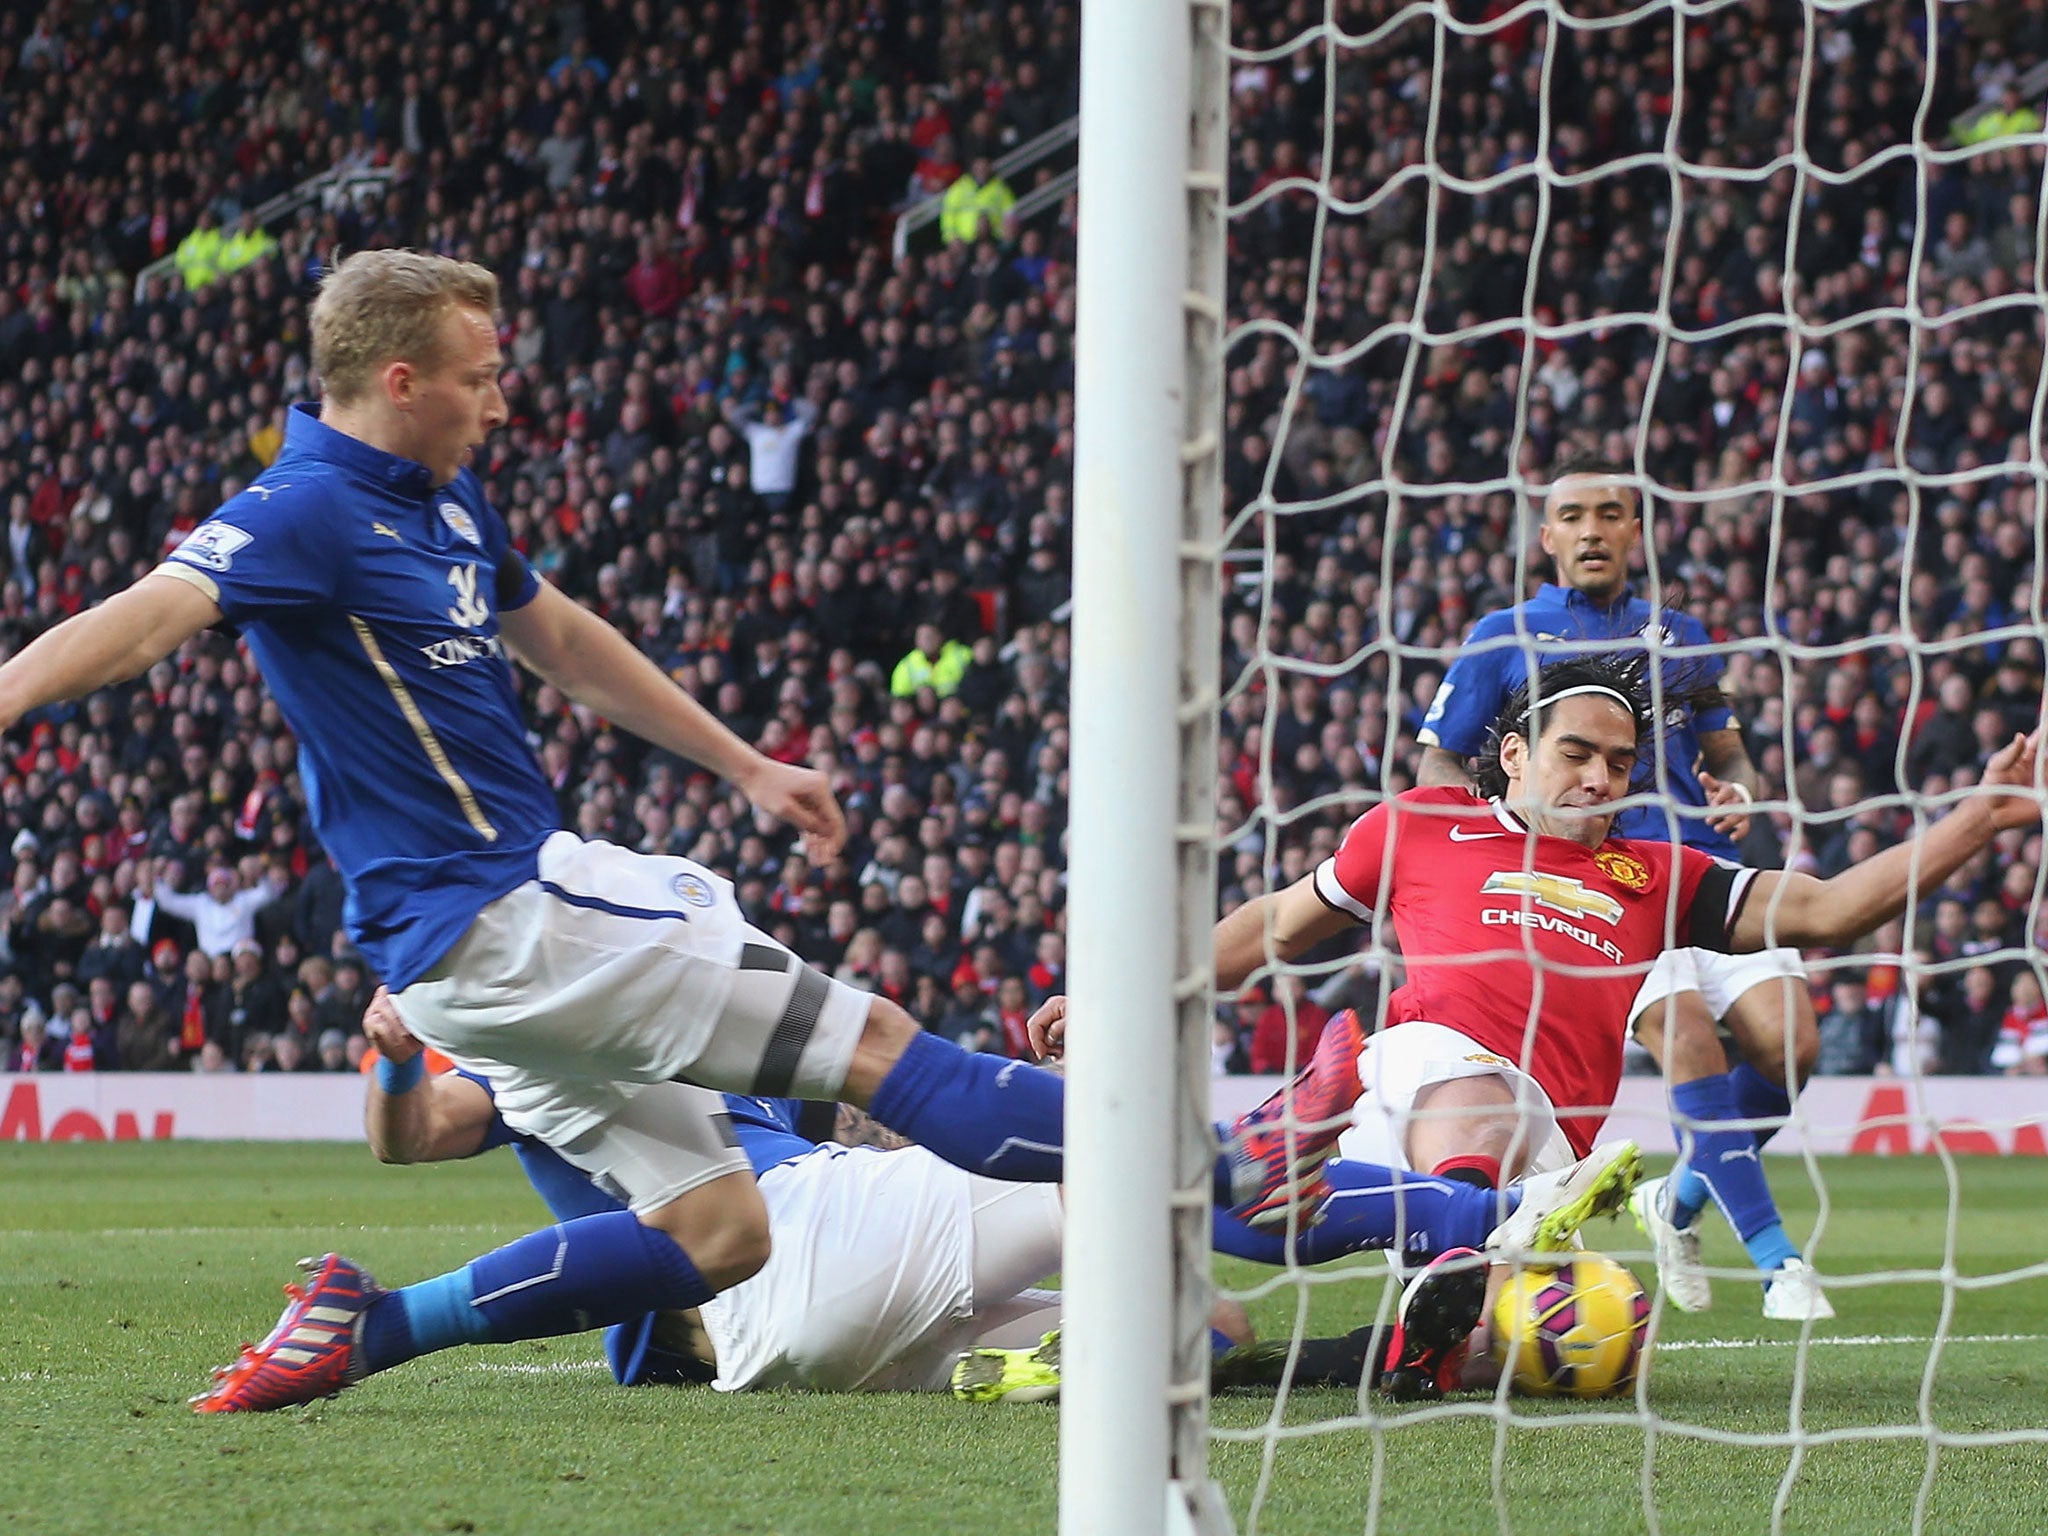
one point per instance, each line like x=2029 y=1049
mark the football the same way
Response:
x=1574 y=1331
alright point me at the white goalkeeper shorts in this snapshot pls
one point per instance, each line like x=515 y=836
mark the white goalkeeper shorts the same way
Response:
x=1402 y=1060
x=1719 y=979
x=612 y=970
x=883 y=1266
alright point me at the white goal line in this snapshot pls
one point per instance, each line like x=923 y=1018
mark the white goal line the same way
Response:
x=1851 y=1341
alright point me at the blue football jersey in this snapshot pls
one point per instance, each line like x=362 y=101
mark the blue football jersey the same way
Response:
x=370 y=600
x=1494 y=662
x=767 y=1130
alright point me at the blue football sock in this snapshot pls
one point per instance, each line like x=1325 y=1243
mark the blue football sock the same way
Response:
x=1758 y=1098
x=586 y=1273
x=987 y=1114
x=1725 y=1160
x=1769 y=1247
x=629 y=1346
x=1229 y=1235
x=1372 y=1206
x=1219 y=1341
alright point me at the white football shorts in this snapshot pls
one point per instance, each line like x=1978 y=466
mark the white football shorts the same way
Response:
x=1719 y=979
x=611 y=971
x=884 y=1266
x=1403 y=1059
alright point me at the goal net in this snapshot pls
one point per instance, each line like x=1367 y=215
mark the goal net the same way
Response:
x=1781 y=260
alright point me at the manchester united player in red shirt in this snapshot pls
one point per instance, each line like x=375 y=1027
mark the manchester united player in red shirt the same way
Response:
x=1526 y=929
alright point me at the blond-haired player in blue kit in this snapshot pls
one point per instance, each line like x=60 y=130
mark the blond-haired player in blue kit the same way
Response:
x=378 y=591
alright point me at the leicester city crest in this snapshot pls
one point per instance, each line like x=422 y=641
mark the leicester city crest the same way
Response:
x=694 y=889
x=464 y=525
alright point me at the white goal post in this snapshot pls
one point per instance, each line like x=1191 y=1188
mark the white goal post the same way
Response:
x=1147 y=552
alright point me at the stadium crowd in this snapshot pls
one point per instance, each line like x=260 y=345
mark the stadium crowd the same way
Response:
x=830 y=490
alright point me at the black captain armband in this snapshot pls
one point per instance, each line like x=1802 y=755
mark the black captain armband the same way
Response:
x=1716 y=904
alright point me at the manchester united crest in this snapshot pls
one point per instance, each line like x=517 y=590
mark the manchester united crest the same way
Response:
x=1623 y=868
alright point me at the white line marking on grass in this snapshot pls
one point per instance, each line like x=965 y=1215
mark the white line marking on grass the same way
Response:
x=557 y=1368
x=1851 y=1341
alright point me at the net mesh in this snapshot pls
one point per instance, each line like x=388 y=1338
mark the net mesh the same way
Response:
x=1784 y=261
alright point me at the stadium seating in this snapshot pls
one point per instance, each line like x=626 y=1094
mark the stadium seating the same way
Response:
x=689 y=210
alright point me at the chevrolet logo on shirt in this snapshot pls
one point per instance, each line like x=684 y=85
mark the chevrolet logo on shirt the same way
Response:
x=1560 y=893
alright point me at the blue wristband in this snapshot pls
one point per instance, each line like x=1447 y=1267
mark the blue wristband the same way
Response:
x=401 y=1077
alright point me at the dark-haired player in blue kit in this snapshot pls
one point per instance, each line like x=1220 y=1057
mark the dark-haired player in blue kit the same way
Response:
x=377 y=590
x=1591 y=528
x=885 y=1267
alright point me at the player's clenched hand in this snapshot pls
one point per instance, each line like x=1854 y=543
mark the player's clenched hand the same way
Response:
x=1047 y=1028
x=803 y=798
x=2017 y=766
x=386 y=1032
x=1731 y=824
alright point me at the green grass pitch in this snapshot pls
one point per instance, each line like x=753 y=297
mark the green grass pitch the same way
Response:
x=126 y=1270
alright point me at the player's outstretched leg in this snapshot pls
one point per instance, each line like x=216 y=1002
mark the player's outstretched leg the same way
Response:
x=987 y=1114
x=1284 y=1142
x=1010 y=1375
x=582 y=1274
x=1555 y=1205
x=1439 y=1309
x=1365 y=1206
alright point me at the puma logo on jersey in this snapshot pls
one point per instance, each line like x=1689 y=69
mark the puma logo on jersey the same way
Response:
x=388 y=531
x=470 y=609
x=266 y=491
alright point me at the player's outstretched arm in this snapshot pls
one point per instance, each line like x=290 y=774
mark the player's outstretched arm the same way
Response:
x=121 y=638
x=597 y=666
x=441 y=1116
x=1299 y=918
x=1794 y=909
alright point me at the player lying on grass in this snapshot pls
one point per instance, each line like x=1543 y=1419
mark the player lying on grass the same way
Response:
x=885 y=1267
x=1526 y=928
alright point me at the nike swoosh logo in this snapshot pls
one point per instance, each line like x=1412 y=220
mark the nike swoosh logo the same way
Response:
x=1460 y=835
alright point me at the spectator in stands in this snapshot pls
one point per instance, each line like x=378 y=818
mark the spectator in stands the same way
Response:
x=730 y=247
x=334 y=1051
x=775 y=432
x=976 y=205
x=935 y=662
x=36 y=1050
x=225 y=913
x=1968 y=1039
x=147 y=1039
x=1854 y=1032
x=251 y=1001
x=2022 y=1047
x=1291 y=1009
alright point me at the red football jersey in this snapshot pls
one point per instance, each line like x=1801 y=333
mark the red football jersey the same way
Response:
x=1534 y=946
